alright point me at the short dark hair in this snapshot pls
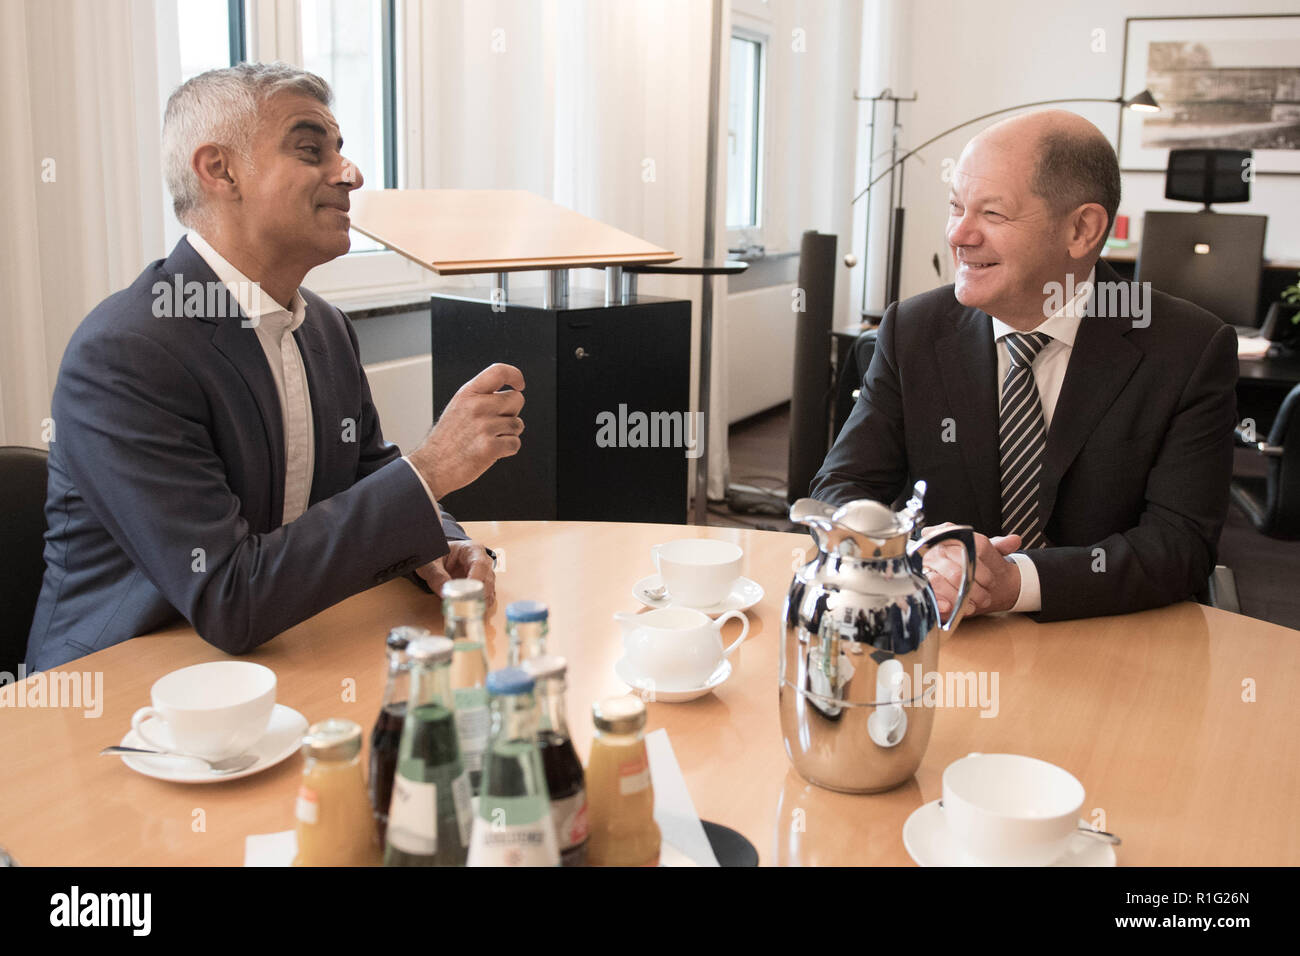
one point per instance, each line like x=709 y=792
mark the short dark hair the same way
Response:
x=1077 y=168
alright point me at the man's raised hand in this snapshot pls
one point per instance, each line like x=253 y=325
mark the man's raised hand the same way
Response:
x=480 y=424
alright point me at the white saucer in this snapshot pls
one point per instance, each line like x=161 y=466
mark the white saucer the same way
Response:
x=662 y=696
x=282 y=739
x=745 y=593
x=929 y=842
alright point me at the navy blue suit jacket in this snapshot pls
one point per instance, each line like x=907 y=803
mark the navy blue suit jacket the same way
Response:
x=166 y=484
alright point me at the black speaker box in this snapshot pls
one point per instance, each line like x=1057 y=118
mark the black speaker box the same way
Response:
x=607 y=405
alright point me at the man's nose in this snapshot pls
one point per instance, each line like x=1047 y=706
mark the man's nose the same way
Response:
x=962 y=231
x=349 y=174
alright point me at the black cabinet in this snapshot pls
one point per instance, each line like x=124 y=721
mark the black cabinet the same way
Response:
x=607 y=425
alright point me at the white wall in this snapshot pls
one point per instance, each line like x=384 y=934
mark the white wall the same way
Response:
x=970 y=58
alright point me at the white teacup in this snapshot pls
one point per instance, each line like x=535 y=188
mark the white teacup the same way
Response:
x=212 y=710
x=698 y=572
x=677 y=648
x=1009 y=810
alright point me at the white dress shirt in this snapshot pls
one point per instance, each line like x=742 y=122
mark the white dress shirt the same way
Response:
x=274 y=325
x=1049 y=374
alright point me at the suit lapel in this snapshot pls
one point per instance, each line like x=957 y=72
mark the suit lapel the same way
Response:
x=968 y=362
x=326 y=417
x=242 y=347
x=1101 y=363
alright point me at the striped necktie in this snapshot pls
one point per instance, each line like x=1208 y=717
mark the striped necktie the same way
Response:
x=1022 y=439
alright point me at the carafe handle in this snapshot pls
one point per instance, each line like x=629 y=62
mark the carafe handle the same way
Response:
x=966 y=535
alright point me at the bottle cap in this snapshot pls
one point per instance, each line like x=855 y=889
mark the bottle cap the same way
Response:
x=430 y=649
x=546 y=666
x=401 y=636
x=525 y=611
x=463 y=589
x=619 y=715
x=509 y=680
x=332 y=739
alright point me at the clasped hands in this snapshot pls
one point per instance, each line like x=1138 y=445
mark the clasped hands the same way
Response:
x=466 y=559
x=996 y=582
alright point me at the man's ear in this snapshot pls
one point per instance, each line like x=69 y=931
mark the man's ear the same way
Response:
x=211 y=163
x=1088 y=227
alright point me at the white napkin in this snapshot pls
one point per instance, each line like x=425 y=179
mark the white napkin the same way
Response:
x=679 y=824
x=270 y=849
x=684 y=840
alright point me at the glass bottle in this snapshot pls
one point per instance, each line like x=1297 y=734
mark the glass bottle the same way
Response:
x=526 y=628
x=620 y=796
x=462 y=610
x=430 y=817
x=564 y=778
x=513 y=824
x=334 y=822
x=386 y=736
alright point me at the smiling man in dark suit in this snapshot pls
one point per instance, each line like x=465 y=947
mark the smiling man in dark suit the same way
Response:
x=1081 y=425
x=217 y=454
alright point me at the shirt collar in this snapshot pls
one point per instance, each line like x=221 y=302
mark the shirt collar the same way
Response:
x=1063 y=325
x=252 y=298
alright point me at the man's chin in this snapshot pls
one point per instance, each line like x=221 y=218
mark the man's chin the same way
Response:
x=968 y=296
x=337 y=246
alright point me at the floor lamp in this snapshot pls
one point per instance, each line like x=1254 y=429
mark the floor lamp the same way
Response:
x=1144 y=102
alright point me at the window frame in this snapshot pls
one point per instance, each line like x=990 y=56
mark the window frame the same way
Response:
x=754 y=31
x=237 y=27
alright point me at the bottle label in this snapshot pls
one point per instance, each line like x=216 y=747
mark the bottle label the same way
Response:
x=570 y=817
x=633 y=775
x=473 y=721
x=462 y=796
x=307 y=809
x=413 y=816
x=522 y=844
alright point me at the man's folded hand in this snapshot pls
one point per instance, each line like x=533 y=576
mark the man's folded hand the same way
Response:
x=467 y=559
x=996 y=584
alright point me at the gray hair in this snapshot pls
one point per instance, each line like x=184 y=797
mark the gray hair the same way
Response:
x=1076 y=168
x=221 y=107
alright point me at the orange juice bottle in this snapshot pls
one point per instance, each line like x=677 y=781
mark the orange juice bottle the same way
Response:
x=336 y=826
x=620 y=797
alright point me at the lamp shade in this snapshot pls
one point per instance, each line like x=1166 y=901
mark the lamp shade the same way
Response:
x=1144 y=102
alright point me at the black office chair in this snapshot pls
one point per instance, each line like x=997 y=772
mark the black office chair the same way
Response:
x=1272 y=502
x=856 y=361
x=23 y=475
x=1212 y=259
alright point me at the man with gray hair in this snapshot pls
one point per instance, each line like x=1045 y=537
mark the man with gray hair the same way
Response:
x=218 y=454
x=1080 y=424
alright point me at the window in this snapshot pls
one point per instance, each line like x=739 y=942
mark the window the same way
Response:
x=745 y=131
x=350 y=44
x=212 y=35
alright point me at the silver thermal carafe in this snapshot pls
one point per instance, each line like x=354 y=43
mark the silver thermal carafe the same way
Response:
x=861 y=626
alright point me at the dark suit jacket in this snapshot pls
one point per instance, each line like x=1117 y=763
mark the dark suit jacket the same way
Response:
x=166 y=486
x=1138 y=459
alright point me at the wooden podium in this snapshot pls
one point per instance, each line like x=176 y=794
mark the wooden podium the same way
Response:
x=590 y=360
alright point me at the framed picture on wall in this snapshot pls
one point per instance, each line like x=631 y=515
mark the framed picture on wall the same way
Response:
x=1230 y=82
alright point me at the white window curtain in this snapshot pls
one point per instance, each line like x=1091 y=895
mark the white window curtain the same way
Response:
x=79 y=111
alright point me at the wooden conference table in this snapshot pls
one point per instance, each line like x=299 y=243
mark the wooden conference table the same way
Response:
x=1147 y=710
